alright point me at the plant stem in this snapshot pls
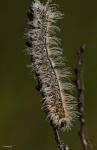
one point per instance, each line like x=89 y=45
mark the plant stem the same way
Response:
x=81 y=106
x=60 y=143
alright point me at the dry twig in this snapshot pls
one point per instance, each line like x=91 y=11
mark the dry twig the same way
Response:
x=81 y=106
x=60 y=143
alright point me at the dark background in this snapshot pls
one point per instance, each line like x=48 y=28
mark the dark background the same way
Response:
x=22 y=123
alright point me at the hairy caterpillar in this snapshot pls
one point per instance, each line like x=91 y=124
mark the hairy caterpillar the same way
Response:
x=48 y=64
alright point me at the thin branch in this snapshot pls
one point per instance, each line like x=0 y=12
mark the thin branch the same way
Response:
x=60 y=143
x=81 y=106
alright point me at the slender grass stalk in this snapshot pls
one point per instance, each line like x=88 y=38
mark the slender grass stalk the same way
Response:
x=81 y=99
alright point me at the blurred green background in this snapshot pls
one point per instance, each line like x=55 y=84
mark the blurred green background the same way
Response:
x=22 y=123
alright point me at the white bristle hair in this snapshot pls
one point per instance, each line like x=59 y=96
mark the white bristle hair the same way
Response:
x=49 y=64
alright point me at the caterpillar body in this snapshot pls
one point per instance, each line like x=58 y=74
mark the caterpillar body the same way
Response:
x=48 y=64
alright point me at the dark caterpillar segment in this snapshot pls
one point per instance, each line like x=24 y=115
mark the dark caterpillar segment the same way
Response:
x=30 y=14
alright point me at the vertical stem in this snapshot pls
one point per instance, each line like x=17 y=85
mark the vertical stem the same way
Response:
x=81 y=106
x=60 y=143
